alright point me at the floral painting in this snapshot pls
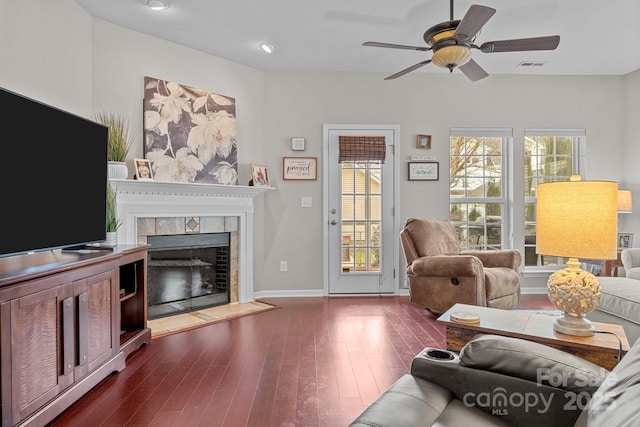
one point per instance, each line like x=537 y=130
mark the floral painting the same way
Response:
x=190 y=134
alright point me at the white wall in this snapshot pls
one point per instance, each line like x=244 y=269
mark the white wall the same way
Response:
x=45 y=48
x=299 y=103
x=631 y=150
x=62 y=56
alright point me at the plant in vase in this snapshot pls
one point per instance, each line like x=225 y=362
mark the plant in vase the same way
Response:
x=119 y=144
x=113 y=223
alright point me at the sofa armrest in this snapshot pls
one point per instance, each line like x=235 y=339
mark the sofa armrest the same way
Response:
x=503 y=377
x=509 y=258
x=630 y=258
x=447 y=266
x=533 y=362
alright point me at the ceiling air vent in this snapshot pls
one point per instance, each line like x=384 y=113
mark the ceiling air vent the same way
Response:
x=531 y=64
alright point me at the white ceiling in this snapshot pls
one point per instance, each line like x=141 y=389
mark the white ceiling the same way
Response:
x=596 y=37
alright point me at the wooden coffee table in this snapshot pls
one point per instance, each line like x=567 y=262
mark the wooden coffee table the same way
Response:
x=602 y=349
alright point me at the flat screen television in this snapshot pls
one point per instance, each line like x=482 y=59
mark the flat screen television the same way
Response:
x=53 y=177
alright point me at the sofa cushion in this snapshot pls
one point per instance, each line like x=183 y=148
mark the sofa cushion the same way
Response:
x=620 y=297
x=532 y=361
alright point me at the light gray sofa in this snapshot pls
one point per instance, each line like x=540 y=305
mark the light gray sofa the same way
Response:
x=501 y=381
x=631 y=262
x=620 y=298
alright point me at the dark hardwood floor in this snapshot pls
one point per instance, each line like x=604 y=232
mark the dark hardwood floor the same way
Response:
x=311 y=362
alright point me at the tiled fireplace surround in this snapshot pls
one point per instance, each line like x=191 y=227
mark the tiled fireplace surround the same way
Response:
x=148 y=208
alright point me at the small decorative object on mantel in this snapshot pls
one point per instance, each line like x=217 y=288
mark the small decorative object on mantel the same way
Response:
x=299 y=168
x=297 y=143
x=423 y=141
x=143 y=169
x=120 y=142
x=259 y=176
x=424 y=171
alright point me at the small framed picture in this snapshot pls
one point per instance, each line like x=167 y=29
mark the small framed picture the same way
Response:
x=625 y=241
x=299 y=168
x=297 y=143
x=424 y=171
x=423 y=141
x=143 y=169
x=260 y=175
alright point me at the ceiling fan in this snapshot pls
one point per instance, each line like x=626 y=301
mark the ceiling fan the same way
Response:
x=451 y=42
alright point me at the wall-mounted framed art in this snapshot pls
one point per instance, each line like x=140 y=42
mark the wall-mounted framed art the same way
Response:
x=300 y=168
x=297 y=143
x=424 y=171
x=423 y=141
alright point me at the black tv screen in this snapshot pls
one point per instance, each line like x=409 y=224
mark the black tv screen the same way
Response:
x=53 y=177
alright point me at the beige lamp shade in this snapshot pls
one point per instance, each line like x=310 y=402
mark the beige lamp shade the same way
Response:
x=625 y=201
x=577 y=219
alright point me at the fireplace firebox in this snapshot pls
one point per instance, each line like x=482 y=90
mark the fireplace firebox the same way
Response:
x=187 y=272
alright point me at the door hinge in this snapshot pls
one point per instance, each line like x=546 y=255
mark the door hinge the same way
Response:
x=394 y=273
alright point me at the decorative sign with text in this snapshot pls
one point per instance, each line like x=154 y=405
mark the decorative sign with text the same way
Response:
x=299 y=168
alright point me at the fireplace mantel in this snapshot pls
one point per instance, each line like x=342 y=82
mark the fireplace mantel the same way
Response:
x=154 y=199
x=133 y=186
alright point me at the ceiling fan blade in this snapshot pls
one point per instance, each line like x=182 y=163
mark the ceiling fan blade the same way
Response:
x=518 y=45
x=473 y=71
x=396 y=46
x=473 y=21
x=408 y=70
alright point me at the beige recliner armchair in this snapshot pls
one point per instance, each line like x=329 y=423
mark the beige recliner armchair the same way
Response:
x=441 y=274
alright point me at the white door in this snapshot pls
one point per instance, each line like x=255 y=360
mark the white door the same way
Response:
x=361 y=241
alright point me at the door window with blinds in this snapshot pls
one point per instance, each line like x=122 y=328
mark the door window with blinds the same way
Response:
x=361 y=159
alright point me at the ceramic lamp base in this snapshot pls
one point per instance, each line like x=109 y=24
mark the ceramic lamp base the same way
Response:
x=575 y=292
x=570 y=325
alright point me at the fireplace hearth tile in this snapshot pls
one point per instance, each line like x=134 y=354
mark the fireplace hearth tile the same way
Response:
x=192 y=225
x=212 y=224
x=170 y=225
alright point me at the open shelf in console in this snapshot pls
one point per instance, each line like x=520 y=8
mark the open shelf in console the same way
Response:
x=133 y=300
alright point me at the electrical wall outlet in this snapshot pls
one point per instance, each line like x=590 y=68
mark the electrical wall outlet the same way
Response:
x=283 y=265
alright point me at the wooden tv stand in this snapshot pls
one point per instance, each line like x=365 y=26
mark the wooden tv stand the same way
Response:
x=68 y=320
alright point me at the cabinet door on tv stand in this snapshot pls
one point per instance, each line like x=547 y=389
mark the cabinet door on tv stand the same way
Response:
x=96 y=313
x=42 y=349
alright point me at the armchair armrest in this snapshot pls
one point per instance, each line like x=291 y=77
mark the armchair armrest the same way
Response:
x=447 y=266
x=509 y=258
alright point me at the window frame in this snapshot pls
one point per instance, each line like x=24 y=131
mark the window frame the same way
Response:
x=506 y=135
x=578 y=167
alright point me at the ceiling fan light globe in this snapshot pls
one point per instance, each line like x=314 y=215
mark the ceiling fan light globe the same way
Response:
x=451 y=56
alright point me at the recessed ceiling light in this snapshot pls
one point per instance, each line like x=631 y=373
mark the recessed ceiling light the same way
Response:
x=157 y=4
x=267 y=47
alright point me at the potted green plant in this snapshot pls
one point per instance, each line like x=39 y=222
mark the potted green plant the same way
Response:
x=119 y=144
x=113 y=222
